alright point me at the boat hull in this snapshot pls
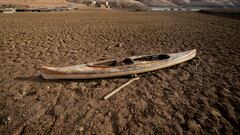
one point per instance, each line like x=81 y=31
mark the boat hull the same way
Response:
x=93 y=70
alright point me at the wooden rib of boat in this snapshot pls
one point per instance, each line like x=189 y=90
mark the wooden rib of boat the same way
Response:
x=113 y=68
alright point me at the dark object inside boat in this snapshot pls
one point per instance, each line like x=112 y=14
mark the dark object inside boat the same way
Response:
x=129 y=61
x=153 y=57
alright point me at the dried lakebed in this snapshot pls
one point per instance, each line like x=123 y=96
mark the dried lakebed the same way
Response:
x=199 y=96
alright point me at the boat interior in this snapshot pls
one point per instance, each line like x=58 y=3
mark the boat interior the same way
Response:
x=133 y=60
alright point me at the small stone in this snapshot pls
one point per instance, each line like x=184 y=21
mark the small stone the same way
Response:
x=175 y=94
x=9 y=118
x=23 y=93
x=103 y=82
x=81 y=87
x=215 y=113
x=119 y=45
x=109 y=114
x=73 y=85
x=81 y=128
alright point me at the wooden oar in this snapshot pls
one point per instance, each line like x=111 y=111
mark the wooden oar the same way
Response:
x=119 y=88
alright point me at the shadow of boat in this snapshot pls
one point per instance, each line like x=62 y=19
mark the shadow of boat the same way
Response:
x=42 y=80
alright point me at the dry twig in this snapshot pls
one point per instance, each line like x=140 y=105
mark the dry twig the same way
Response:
x=198 y=62
x=116 y=45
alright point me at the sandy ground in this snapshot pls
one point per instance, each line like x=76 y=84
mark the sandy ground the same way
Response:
x=196 y=97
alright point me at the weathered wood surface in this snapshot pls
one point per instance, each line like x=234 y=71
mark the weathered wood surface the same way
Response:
x=112 y=68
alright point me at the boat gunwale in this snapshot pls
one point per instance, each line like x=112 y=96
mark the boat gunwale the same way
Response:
x=94 y=64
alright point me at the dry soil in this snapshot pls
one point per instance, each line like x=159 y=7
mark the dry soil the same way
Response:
x=195 y=97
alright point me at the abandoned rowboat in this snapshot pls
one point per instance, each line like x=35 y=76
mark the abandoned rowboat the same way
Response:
x=113 y=68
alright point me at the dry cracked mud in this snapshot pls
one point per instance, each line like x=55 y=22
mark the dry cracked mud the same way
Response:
x=195 y=97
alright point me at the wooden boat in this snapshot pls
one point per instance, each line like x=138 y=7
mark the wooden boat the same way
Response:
x=113 y=68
